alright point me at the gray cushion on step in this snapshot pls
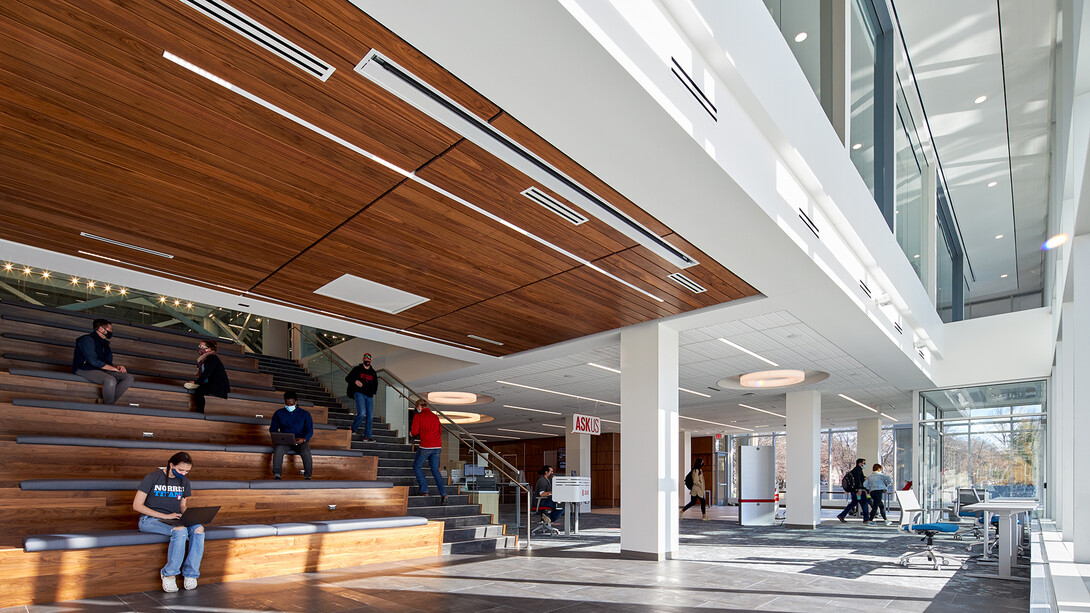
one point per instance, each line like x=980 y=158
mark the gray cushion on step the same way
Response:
x=344 y=525
x=331 y=484
x=90 y=540
x=104 y=442
x=246 y=531
x=239 y=419
x=104 y=408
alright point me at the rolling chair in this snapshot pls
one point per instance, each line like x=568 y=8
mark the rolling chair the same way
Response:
x=546 y=525
x=910 y=510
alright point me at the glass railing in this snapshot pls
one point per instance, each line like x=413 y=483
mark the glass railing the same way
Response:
x=317 y=356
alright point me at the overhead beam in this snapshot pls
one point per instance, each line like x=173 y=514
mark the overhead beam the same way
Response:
x=18 y=294
x=97 y=302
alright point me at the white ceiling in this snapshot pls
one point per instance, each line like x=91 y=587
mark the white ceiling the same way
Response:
x=703 y=360
x=1003 y=50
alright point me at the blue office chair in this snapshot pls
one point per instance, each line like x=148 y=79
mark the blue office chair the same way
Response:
x=910 y=510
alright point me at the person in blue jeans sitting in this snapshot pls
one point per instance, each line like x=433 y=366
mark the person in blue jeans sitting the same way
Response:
x=362 y=385
x=426 y=426
x=544 y=490
x=162 y=495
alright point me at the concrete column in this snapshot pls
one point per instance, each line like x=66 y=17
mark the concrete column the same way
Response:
x=578 y=454
x=274 y=337
x=836 y=67
x=1080 y=341
x=803 y=459
x=869 y=441
x=685 y=464
x=649 y=441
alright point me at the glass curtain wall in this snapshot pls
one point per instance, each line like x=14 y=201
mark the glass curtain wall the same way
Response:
x=988 y=437
x=861 y=130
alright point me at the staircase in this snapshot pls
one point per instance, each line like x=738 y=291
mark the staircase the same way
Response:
x=465 y=531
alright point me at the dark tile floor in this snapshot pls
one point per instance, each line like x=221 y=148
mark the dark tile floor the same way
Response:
x=720 y=566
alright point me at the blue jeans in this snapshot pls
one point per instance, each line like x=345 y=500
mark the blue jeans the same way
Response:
x=556 y=513
x=432 y=456
x=858 y=498
x=365 y=407
x=176 y=549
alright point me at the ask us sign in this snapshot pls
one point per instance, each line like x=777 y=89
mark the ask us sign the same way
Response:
x=586 y=424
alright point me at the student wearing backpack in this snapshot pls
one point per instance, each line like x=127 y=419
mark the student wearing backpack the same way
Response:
x=853 y=484
x=695 y=482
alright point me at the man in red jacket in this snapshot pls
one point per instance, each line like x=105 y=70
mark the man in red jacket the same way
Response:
x=426 y=426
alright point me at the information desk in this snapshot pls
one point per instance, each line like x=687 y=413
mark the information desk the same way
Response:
x=567 y=490
x=1008 y=510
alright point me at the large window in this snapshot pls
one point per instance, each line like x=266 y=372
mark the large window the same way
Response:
x=989 y=437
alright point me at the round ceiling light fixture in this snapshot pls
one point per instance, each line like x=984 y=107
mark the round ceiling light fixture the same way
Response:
x=464 y=417
x=772 y=379
x=458 y=398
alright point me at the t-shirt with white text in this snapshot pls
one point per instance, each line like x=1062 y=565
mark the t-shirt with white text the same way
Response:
x=164 y=493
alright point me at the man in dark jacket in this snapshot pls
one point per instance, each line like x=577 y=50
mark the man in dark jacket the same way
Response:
x=858 y=493
x=93 y=360
x=211 y=375
x=296 y=421
x=362 y=385
x=426 y=426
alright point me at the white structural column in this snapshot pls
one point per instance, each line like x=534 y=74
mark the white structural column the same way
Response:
x=451 y=455
x=1080 y=341
x=1064 y=477
x=649 y=442
x=684 y=463
x=577 y=455
x=869 y=441
x=803 y=459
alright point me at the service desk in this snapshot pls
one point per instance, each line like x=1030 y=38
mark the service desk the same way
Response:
x=567 y=490
x=1008 y=511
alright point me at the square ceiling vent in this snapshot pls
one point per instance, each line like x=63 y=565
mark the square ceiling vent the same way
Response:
x=358 y=290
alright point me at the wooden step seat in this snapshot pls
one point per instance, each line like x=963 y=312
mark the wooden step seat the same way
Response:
x=37 y=329
x=31 y=458
x=138 y=329
x=155 y=359
x=20 y=383
x=257 y=384
x=231 y=553
x=62 y=418
x=88 y=505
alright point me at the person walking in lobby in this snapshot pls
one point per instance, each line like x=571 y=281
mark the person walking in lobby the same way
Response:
x=362 y=385
x=853 y=484
x=877 y=485
x=426 y=426
x=94 y=360
x=695 y=482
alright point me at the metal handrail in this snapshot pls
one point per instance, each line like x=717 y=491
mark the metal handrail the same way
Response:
x=473 y=443
x=326 y=350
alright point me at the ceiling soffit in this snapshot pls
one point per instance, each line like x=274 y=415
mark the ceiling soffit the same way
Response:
x=103 y=135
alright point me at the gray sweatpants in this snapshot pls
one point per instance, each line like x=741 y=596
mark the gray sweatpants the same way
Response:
x=113 y=383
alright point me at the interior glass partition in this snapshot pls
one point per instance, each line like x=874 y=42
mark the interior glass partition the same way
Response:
x=800 y=23
x=989 y=437
x=863 y=36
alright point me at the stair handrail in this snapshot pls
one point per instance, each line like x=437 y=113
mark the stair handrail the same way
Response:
x=326 y=350
x=473 y=442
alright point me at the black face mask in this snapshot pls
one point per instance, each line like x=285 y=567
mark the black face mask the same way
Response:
x=109 y=335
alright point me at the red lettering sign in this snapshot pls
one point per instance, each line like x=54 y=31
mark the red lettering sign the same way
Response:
x=586 y=424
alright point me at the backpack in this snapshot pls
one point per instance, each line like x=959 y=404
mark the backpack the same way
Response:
x=848 y=482
x=689 y=480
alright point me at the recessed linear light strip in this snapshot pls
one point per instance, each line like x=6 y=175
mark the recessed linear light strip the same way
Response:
x=483 y=339
x=744 y=350
x=523 y=431
x=126 y=245
x=714 y=423
x=761 y=410
x=853 y=400
x=554 y=426
x=393 y=78
x=682 y=389
x=409 y=175
x=538 y=389
x=511 y=406
x=514 y=438
x=888 y=416
x=603 y=367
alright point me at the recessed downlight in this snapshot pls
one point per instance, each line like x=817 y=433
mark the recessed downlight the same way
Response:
x=998 y=236
x=980 y=99
x=916 y=257
x=857 y=146
x=1054 y=242
x=1003 y=276
x=801 y=36
x=993 y=183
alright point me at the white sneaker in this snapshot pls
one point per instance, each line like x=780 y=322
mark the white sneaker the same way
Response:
x=888 y=523
x=170 y=584
x=190 y=583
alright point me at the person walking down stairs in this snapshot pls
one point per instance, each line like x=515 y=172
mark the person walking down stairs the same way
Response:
x=362 y=385
x=695 y=482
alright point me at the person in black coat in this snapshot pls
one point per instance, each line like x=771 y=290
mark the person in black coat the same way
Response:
x=362 y=385
x=857 y=492
x=211 y=375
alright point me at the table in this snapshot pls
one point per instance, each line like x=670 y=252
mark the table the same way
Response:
x=1007 y=510
x=569 y=490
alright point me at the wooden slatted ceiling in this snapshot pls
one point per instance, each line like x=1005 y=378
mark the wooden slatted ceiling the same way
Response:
x=101 y=134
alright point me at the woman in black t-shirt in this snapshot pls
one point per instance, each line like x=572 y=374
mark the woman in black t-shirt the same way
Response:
x=162 y=495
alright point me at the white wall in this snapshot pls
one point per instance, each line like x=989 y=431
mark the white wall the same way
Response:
x=998 y=348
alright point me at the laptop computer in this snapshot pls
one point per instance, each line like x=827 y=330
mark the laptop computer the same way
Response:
x=193 y=516
x=283 y=438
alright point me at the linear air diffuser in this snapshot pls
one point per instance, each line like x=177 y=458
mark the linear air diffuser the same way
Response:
x=393 y=78
x=554 y=205
x=271 y=41
x=687 y=283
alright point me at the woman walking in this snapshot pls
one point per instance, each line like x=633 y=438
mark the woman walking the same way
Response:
x=695 y=482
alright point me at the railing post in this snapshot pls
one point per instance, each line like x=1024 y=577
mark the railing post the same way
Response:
x=529 y=503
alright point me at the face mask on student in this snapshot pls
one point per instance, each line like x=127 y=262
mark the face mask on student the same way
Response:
x=175 y=473
x=289 y=407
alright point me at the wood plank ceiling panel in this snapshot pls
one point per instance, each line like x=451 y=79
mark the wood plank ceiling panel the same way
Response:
x=419 y=241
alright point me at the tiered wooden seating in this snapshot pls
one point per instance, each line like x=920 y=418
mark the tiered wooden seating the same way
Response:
x=264 y=528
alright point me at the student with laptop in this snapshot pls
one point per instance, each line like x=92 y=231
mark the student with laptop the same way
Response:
x=162 y=497
x=297 y=422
